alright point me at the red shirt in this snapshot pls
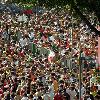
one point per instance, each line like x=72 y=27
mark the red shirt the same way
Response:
x=21 y=54
x=58 y=97
x=1 y=93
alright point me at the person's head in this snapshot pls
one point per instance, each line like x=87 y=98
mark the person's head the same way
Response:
x=31 y=96
x=60 y=91
x=12 y=95
x=50 y=82
x=18 y=92
x=72 y=88
x=25 y=95
x=88 y=92
x=39 y=98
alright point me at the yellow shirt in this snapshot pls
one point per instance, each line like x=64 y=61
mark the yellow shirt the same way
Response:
x=55 y=85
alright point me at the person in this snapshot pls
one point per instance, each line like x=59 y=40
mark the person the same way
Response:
x=39 y=98
x=55 y=84
x=73 y=92
x=83 y=92
x=97 y=97
x=58 y=95
x=66 y=96
x=7 y=96
x=46 y=95
x=31 y=97
x=12 y=96
x=24 y=53
x=17 y=97
x=51 y=90
x=88 y=96
x=25 y=97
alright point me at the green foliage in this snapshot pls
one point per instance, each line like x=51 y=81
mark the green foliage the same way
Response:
x=24 y=1
x=90 y=5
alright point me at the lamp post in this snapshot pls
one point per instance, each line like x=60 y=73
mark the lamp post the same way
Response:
x=71 y=41
x=81 y=65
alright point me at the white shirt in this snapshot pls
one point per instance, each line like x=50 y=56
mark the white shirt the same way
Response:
x=51 y=38
x=63 y=52
x=73 y=95
x=68 y=91
x=46 y=97
x=25 y=98
x=26 y=41
x=88 y=98
x=35 y=98
x=31 y=35
x=22 y=42
x=83 y=91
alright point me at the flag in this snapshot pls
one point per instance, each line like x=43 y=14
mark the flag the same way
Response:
x=27 y=12
x=33 y=48
x=51 y=56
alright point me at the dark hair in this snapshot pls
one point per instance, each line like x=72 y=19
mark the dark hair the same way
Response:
x=31 y=96
x=25 y=95
x=39 y=98
x=87 y=92
x=72 y=88
x=98 y=92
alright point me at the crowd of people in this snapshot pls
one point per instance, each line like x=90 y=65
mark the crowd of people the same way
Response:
x=39 y=58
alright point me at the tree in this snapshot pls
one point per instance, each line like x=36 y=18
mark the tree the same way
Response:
x=22 y=1
x=80 y=7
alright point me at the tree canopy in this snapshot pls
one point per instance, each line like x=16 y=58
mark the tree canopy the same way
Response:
x=80 y=7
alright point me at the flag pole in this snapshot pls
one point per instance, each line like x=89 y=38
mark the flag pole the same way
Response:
x=80 y=70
